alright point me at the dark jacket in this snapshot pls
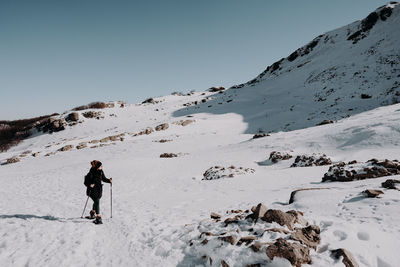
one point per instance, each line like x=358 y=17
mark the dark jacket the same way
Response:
x=95 y=177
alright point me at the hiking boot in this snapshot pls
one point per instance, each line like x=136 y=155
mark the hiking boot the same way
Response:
x=91 y=215
x=98 y=220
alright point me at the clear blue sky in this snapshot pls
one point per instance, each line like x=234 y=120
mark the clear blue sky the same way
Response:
x=55 y=55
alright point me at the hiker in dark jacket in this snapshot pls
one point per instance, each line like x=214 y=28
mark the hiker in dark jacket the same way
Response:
x=93 y=182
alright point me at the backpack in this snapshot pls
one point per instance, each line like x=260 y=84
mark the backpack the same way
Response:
x=88 y=179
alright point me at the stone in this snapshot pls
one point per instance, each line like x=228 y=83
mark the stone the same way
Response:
x=215 y=89
x=277 y=230
x=105 y=139
x=309 y=236
x=347 y=258
x=168 y=155
x=66 y=148
x=35 y=154
x=186 y=122
x=295 y=253
x=246 y=239
x=313 y=160
x=390 y=184
x=92 y=114
x=260 y=135
x=224 y=264
x=280 y=217
x=276 y=156
x=372 y=193
x=206 y=234
x=81 y=145
x=12 y=160
x=73 y=116
x=215 y=216
x=324 y=122
x=94 y=141
x=258 y=212
x=293 y=194
x=162 y=127
x=149 y=101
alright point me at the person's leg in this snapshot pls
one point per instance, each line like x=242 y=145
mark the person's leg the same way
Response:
x=96 y=205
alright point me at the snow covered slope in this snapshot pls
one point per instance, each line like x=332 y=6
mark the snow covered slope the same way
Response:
x=340 y=73
x=160 y=205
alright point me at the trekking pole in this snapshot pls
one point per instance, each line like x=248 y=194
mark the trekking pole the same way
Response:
x=85 y=205
x=111 y=197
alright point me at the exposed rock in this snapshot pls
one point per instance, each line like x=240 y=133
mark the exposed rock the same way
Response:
x=277 y=230
x=52 y=125
x=258 y=212
x=73 y=116
x=215 y=216
x=12 y=160
x=373 y=168
x=246 y=240
x=66 y=148
x=147 y=131
x=168 y=155
x=26 y=152
x=295 y=253
x=94 y=141
x=365 y=96
x=105 y=139
x=218 y=172
x=372 y=193
x=276 y=156
x=390 y=184
x=348 y=259
x=149 y=101
x=216 y=89
x=162 y=127
x=224 y=264
x=187 y=122
x=309 y=236
x=81 y=145
x=93 y=114
x=325 y=122
x=260 y=135
x=313 y=160
x=280 y=217
x=163 y=140
x=293 y=194
x=35 y=154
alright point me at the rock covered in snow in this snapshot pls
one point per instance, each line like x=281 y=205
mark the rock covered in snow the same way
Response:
x=347 y=258
x=372 y=193
x=276 y=156
x=219 y=172
x=162 y=127
x=373 y=168
x=313 y=160
x=390 y=183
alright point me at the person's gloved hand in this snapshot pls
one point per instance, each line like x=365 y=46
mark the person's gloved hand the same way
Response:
x=110 y=180
x=92 y=185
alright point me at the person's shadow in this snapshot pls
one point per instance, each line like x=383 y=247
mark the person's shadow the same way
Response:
x=31 y=216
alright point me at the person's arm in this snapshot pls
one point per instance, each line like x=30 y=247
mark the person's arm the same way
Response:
x=105 y=179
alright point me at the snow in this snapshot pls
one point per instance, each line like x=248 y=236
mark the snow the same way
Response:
x=158 y=202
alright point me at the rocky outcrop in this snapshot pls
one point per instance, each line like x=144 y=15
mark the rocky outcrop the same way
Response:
x=260 y=135
x=216 y=239
x=81 y=145
x=293 y=194
x=93 y=115
x=219 y=172
x=66 y=148
x=215 y=89
x=12 y=160
x=73 y=116
x=324 y=122
x=313 y=160
x=373 y=168
x=276 y=156
x=183 y=122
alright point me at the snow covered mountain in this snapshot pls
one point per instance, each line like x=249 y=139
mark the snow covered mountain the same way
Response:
x=176 y=159
x=340 y=73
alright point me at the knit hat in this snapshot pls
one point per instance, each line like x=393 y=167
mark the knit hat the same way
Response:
x=98 y=164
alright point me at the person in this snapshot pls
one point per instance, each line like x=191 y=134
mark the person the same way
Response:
x=94 y=190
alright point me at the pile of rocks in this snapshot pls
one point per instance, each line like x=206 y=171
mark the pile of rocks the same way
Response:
x=93 y=114
x=260 y=235
x=146 y=131
x=162 y=127
x=260 y=135
x=351 y=171
x=276 y=156
x=12 y=160
x=313 y=160
x=219 y=172
x=52 y=125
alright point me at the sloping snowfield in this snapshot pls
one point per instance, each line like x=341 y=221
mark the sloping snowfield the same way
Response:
x=156 y=199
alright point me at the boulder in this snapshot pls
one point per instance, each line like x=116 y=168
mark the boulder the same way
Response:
x=81 y=145
x=66 y=148
x=280 y=217
x=168 y=155
x=347 y=259
x=309 y=236
x=12 y=160
x=295 y=253
x=258 y=212
x=277 y=230
x=215 y=89
x=260 y=135
x=162 y=127
x=276 y=156
x=186 y=122
x=149 y=101
x=390 y=184
x=293 y=194
x=246 y=240
x=324 y=122
x=313 y=160
x=224 y=264
x=73 y=116
x=92 y=114
x=229 y=239
x=215 y=216
x=372 y=193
